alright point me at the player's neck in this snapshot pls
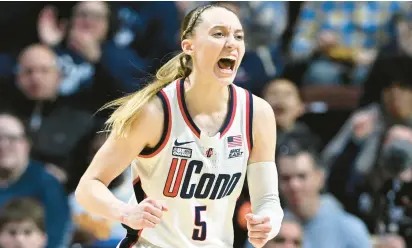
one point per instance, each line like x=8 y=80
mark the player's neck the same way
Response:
x=205 y=97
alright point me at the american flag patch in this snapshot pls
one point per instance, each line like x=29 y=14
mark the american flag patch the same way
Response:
x=234 y=141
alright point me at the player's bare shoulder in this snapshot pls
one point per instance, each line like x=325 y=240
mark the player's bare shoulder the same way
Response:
x=152 y=118
x=154 y=108
x=263 y=113
x=264 y=131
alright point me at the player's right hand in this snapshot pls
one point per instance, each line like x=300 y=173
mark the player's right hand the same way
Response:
x=147 y=214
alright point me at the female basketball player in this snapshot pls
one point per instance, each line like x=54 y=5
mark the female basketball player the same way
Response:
x=191 y=138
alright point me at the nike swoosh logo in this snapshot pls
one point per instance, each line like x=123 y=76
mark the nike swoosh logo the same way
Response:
x=182 y=143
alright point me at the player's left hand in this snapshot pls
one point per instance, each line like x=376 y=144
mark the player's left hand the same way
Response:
x=259 y=228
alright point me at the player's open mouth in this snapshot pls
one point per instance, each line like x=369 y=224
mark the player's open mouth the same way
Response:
x=226 y=65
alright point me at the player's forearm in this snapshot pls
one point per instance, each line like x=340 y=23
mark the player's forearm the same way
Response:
x=96 y=198
x=264 y=194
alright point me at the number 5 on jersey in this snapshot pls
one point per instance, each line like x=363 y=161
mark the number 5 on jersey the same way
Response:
x=200 y=231
x=209 y=186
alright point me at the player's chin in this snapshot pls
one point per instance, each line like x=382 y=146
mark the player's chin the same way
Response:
x=226 y=82
x=258 y=242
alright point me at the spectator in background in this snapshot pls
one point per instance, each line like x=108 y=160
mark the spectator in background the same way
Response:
x=290 y=235
x=38 y=80
x=57 y=124
x=354 y=151
x=382 y=197
x=22 y=224
x=22 y=177
x=340 y=40
x=325 y=222
x=284 y=97
x=87 y=55
x=355 y=156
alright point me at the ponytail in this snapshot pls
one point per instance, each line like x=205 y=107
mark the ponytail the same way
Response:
x=129 y=106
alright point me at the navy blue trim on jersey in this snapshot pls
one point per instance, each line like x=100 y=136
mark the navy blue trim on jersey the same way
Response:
x=250 y=119
x=182 y=94
x=132 y=234
x=147 y=151
x=231 y=110
x=138 y=191
x=127 y=242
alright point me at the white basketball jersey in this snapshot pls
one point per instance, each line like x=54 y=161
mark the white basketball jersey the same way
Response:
x=198 y=177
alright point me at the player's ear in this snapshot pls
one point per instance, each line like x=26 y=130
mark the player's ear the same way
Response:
x=187 y=46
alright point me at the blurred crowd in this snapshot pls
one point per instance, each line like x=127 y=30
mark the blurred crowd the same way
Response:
x=337 y=75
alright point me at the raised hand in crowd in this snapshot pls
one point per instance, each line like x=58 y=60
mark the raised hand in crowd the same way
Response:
x=51 y=31
x=363 y=124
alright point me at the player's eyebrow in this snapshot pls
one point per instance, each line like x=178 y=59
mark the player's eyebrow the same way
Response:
x=226 y=27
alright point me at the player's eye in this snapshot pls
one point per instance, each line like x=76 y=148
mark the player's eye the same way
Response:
x=239 y=37
x=218 y=34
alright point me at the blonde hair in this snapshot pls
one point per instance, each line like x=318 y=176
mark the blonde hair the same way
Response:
x=179 y=66
x=129 y=106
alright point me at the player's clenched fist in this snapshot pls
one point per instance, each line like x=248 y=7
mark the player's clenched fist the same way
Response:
x=259 y=228
x=146 y=214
